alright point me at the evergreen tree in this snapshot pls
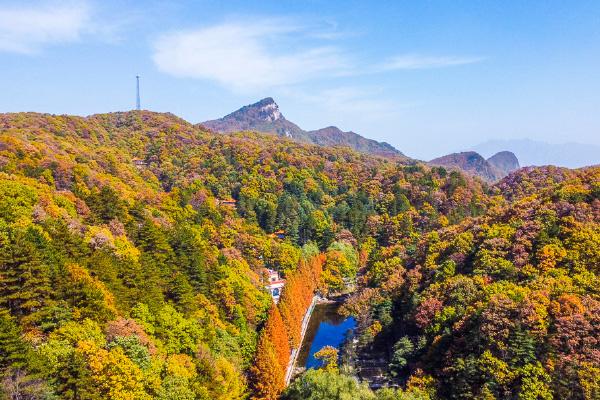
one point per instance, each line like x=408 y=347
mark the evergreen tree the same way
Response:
x=13 y=350
x=24 y=276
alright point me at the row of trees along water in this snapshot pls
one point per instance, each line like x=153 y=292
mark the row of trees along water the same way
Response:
x=282 y=330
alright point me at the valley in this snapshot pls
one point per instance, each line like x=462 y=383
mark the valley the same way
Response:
x=299 y=200
x=137 y=248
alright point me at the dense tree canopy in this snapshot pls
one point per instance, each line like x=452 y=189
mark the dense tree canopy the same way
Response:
x=133 y=248
x=501 y=306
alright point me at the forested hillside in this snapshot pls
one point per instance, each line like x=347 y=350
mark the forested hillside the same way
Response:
x=503 y=306
x=133 y=247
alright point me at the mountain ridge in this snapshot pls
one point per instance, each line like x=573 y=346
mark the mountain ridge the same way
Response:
x=505 y=161
x=265 y=116
x=492 y=169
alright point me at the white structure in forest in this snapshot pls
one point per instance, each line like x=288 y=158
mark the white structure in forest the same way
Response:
x=274 y=284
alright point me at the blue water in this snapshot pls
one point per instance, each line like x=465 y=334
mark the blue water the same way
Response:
x=326 y=328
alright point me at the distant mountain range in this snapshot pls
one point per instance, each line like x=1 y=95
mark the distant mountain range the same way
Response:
x=492 y=169
x=504 y=156
x=531 y=152
x=265 y=116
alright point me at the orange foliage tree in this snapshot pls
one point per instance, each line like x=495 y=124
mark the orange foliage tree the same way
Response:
x=283 y=329
x=297 y=296
x=267 y=374
x=275 y=331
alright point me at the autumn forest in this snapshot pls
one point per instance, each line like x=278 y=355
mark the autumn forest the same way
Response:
x=134 y=248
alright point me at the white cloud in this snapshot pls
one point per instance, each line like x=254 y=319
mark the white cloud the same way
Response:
x=414 y=61
x=245 y=56
x=266 y=53
x=27 y=28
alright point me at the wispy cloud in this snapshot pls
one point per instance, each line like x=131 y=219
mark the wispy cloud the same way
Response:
x=244 y=56
x=266 y=53
x=415 y=61
x=28 y=28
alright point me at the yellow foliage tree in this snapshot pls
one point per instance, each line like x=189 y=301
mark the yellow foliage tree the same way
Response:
x=112 y=374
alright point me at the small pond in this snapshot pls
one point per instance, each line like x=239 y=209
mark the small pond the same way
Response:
x=325 y=328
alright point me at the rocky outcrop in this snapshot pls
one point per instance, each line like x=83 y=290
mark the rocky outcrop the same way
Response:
x=505 y=161
x=491 y=170
x=265 y=116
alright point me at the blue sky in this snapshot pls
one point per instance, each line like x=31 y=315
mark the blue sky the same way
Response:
x=429 y=77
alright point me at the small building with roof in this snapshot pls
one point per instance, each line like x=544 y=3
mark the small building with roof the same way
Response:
x=274 y=284
x=280 y=234
x=138 y=162
x=227 y=202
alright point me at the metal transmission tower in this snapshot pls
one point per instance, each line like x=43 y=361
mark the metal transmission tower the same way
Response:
x=137 y=97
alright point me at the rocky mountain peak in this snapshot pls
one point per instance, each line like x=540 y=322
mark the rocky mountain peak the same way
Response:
x=264 y=110
x=505 y=161
x=492 y=169
x=265 y=116
x=470 y=162
x=268 y=110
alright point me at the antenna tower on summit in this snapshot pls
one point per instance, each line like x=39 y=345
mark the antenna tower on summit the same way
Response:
x=137 y=97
